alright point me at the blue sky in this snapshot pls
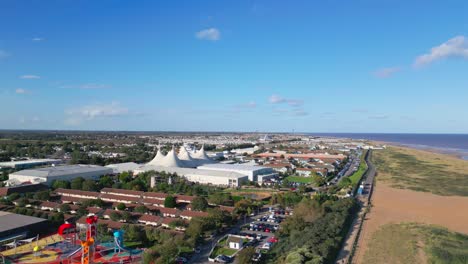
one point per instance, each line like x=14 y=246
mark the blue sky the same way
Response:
x=311 y=66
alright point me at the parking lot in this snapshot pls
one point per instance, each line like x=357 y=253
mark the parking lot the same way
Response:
x=262 y=228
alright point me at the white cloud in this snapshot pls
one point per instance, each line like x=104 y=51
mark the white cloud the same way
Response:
x=379 y=117
x=386 y=72
x=21 y=91
x=87 y=86
x=38 y=39
x=90 y=112
x=300 y=112
x=212 y=34
x=30 y=76
x=3 y=54
x=251 y=104
x=276 y=99
x=455 y=47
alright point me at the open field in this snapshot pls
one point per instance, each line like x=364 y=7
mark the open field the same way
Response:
x=417 y=243
x=357 y=175
x=300 y=179
x=423 y=171
x=430 y=192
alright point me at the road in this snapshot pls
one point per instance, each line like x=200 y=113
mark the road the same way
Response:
x=205 y=249
x=348 y=169
x=353 y=234
x=202 y=257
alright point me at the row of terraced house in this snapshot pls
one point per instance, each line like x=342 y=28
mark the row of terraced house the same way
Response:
x=157 y=214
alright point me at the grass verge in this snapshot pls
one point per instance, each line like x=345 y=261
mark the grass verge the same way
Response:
x=416 y=243
x=300 y=179
x=423 y=171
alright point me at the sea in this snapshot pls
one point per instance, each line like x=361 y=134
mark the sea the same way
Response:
x=455 y=144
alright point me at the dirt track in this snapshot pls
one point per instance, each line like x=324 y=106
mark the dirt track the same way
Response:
x=392 y=205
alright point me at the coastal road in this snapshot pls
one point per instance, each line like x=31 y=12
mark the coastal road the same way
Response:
x=345 y=254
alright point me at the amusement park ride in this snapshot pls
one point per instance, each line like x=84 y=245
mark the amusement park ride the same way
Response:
x=71 y=245
x=89 y=244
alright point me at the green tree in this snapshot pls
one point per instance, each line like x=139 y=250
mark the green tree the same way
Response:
x=14 y=196
x=121 y=207
x=199 y=204
x=319 y=180
x=125 y=177
x=43 y=195
x=141 y=209
x=22 y=202
x=65 y=208
x=77 y=183
x=127 y=217
x=345 y=182
x=245 y=255
x=106 y=181
x=60 y=184
x=170 y=202
x=115 y=216
x=89 y=185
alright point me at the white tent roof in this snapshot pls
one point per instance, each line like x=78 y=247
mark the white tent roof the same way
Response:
x=201 y=154
x=157 y=159
x=186 y=159
x=171 y=160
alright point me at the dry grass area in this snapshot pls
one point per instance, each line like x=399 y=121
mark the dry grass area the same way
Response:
x=413 y=186
x=418 y=170
x=417 y=243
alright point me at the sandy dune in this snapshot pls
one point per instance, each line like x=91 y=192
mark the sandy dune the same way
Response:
x=392 y=205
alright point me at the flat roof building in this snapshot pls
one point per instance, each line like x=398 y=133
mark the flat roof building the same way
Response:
x=251 y=171
x=16 y=226
x=214 y=177
x=30 y=163
x=49 y=174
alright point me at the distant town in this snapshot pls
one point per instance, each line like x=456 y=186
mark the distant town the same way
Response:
x=174 y=197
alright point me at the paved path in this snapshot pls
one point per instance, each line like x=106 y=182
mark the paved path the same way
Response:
x=363 y=200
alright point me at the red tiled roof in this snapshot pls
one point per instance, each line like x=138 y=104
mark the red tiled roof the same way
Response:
x=76 y=193
x=183 y=198
x=304 y=156
x=150 y=218
x=277 y=165
x=171 y=211
x=152 y=201
x=50 y=204
x=193 y=214
x=155 y=195
x=229 y=209
x=122 y=198
x=73 y=199
x=94 y=210
x=121 y=191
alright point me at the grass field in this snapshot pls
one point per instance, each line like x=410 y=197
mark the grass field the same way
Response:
x=422 y=171
x=416 y=243
x=222 y=251
x=357 y=175
x=300 y=179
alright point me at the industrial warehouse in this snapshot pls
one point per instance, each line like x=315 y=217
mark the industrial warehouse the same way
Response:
x=200 y=168
x=16 y=226
x=196 y=167
x=48 y=174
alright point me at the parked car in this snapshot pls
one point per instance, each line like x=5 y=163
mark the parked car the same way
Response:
x=222 y=259
x=273 y=240
x=266 y=246
x=259 y=236
x=257 y=257
x=180 y=260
